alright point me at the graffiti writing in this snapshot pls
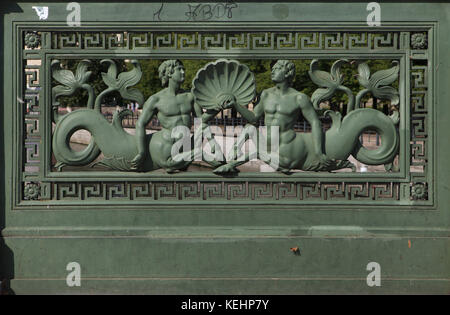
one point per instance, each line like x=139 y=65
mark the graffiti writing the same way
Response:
x=157 y=14
x=205 y=12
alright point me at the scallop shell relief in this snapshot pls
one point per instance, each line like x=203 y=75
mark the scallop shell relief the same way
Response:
x=220 y=78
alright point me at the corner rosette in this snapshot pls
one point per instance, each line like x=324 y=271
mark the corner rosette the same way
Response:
x=32 y=40
x=419 y=191
x=32 y=191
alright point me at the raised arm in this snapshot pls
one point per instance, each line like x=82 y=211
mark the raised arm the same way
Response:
x=196 y=109
x=205 y=116
x=258 y=110
x=311 y=116
x=206 y=132
x=149 y=109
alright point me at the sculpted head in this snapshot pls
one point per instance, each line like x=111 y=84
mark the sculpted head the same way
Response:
x=283 y=70
x=171 y=68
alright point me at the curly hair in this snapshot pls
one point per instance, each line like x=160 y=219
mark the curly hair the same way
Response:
x=166 y=69
x=290 y=69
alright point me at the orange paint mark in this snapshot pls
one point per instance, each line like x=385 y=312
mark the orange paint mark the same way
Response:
x=295 y=250
x=409 y=243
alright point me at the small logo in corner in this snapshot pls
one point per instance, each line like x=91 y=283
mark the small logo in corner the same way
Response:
x=42 y=12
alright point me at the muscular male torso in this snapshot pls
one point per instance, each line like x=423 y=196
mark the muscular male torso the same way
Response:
x=173 y=111
x=282 y=111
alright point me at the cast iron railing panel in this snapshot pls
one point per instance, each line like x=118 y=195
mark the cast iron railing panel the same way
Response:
x=39 y=185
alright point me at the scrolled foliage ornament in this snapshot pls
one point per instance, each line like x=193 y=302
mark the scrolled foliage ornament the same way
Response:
x=329 y=82
x=123 y=81
x=71 y=82
x=378 y=83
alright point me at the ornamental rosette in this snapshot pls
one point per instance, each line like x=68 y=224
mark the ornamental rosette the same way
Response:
x=32 y=40
x=419 y=191
x=418 y=40
x=32 y=191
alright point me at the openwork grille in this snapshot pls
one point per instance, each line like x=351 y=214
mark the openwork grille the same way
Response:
x=39 y=185
x=226 y=41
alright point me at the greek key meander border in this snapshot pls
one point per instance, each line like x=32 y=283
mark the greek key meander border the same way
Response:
x=209 y=191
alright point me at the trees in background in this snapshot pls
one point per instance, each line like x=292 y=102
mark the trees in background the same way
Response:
x=150 y=82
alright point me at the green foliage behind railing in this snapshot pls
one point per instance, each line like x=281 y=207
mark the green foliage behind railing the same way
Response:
x=150 y=82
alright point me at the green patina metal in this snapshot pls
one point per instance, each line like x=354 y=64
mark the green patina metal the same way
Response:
x=308 y=151
x=232 y=230
x=221 y=80
x=281 y=106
